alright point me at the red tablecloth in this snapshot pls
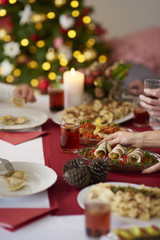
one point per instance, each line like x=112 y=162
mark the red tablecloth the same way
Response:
x=65 y=195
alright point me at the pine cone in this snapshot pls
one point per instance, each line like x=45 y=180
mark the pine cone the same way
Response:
x=78 y=177
x=74 y=163
x=99 y=169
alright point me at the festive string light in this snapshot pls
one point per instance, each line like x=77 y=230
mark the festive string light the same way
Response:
x=76 y=53
x=71 y=33
x=81 y=58
x=34 y=82
x=75 y=13
x=102 y=58
x=36 y=18
x=32 y=1
x=17 y=72
x=46 y=66
x=51 y=15
x=74 y=4
x=60 y=56
x=50 y=56
x=52 y=76
x=12 y=1
x=40 y=43
x=24 y=42
x=3 y=12
x=3 y=33
x=59 y=3
x=32 y=49
x=33 y=64
x=7 y=38
x=86 y=19
x=38 y=26
x=9 y=79
x=63 y=62
x=90 y=54
x=90 y=42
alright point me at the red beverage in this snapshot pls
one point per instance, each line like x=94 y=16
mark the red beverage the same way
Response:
x=141 y=117
x=69 y=137
x=97 y=216
x=56 y=99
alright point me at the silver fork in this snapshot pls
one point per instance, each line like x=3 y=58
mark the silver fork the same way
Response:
x=6 y=167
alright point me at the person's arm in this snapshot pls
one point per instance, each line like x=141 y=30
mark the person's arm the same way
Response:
x=134 y=139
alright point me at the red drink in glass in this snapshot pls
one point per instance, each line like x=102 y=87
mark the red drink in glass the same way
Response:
x=56 y=99
x=97 y=217
x=141 y=117
x=69 y=137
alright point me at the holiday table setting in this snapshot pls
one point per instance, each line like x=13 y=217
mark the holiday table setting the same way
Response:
x=56 y=208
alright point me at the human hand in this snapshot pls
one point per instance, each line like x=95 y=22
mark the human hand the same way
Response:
x=152 y=169
x=123 y=138
x=26 y=92
x=151 y=104
x=136 y=87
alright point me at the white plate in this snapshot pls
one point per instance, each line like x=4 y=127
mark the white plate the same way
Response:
x=57 y=117
x=118 y=221
x=38 y=179
x=35 y=118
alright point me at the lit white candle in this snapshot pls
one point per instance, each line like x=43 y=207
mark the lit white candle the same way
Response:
x=73 y=88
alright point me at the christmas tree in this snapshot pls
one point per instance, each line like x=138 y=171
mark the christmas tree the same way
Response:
x=40 y=39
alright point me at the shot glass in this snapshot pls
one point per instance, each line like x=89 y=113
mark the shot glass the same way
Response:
x=152 y=84
x=97 y=218
x=56 y=98
x=141 y=116
x=69 y=136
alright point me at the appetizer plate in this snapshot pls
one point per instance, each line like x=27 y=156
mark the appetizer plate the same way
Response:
x=57 y=117
x=35 y=118
x=122 y=167
x=93 y=142
x=119 y=222
x=38 y=179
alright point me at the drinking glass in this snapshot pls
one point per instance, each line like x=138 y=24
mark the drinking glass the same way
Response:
x=56 y=97
x=69 y=136
x=141 y=116
x=97 y=218
x=152 y=84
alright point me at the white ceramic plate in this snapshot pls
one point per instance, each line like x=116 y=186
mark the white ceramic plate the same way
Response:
x=35 y=118
x=38 y=179
x=118 y=221
x=57 y=117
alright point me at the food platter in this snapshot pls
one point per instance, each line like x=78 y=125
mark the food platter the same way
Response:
x=38 y=179
x=34 y=118
x=93 y=142
x=57 y=117
x=120 y=167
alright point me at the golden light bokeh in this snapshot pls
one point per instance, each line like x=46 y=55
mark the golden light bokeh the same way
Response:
x=34 y=82
x=46 y=66
x=32 y=49
x=102 y=58
x=32 y=1
x=3 y=12
x=74 y=4
x=24 y=42
x=90 y=42
x=3 y=33
x=33 y=64
x=86 y=19
x=52 y=76
x=81 y=58
x=12 y=1
x=17 y=72
x=71 y=33
x=40 y=43
x=63 y=62
x=9 y=79
x=76 y=53
x=38 y=26
x=50 y=56
x=75 y=13
x=51 y=15
x=7 y=38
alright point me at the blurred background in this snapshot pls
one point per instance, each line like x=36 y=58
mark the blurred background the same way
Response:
x=125 y=16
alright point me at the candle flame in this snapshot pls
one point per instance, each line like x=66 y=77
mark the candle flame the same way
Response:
x=73 y=72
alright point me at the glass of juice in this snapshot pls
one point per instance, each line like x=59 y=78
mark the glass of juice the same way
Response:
x=56 y=97
x=141 y=116
x=69 y=136
x=97 y=218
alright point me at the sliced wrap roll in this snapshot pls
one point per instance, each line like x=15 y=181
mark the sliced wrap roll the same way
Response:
x=102 y=149
x=135 y=156
x=117 y=152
